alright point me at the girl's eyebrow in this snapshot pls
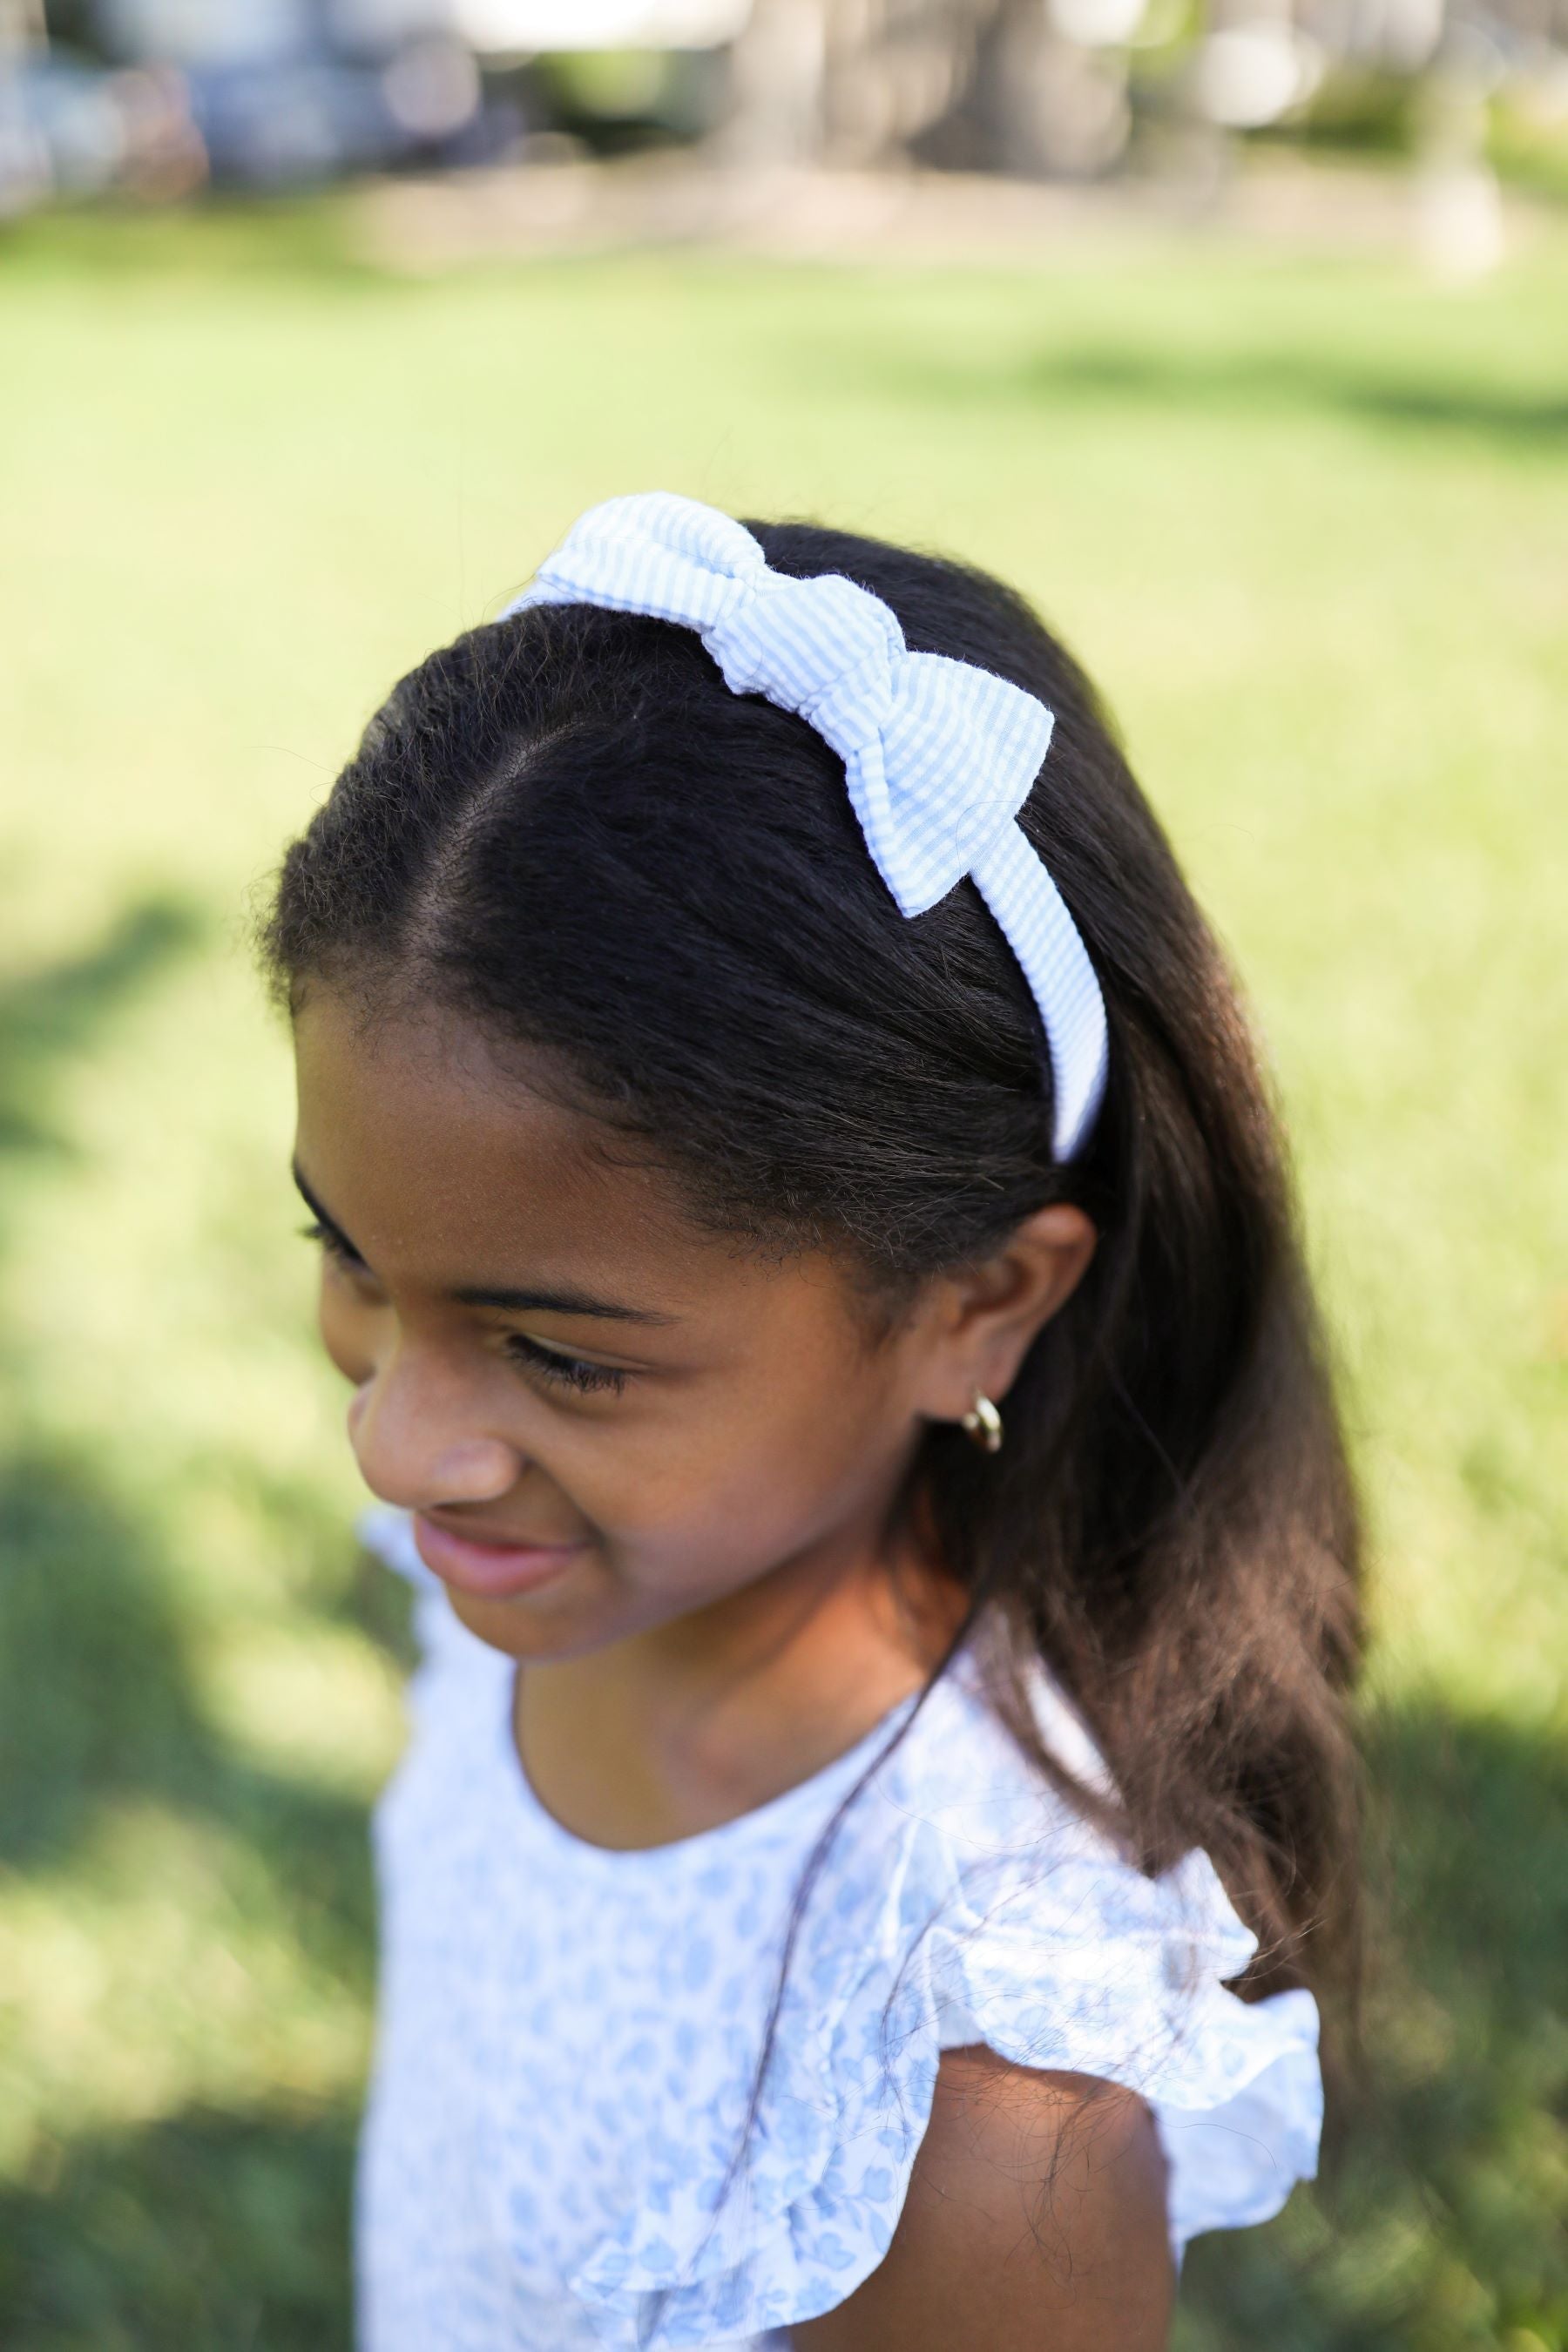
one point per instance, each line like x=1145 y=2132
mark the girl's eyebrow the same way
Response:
x=556 y=1302
x=508 y=1301
x=328 y=1225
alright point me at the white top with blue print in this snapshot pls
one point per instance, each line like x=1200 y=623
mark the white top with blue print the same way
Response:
x=555 y=2154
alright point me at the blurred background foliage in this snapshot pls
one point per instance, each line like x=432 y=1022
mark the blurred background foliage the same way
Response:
x=154 y=101
x=1304 y=515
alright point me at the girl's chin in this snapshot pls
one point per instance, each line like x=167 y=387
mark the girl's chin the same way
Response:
x=529 y=1629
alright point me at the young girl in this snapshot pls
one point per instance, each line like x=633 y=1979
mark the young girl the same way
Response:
x=827 y=1331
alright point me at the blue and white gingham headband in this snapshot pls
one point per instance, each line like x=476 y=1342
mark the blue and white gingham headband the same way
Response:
x=939 y=755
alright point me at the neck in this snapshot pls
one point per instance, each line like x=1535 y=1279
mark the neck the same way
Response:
x=676 y=1729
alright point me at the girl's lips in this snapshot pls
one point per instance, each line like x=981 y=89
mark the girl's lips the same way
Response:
x=493 y=1571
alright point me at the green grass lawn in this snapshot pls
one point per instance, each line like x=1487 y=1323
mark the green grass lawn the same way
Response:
x=1307 y=521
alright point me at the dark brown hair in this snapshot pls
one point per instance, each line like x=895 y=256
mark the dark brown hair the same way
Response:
x=566 y=827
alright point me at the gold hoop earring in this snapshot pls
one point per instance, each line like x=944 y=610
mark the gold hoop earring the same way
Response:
x=982 y=1423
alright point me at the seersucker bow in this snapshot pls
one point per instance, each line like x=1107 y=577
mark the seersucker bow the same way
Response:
x=939 y=755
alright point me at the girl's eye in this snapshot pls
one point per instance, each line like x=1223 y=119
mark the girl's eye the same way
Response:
x=335 y=1247
x=572 y=1371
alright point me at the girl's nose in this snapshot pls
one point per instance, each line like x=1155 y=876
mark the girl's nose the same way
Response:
x=417 y=1446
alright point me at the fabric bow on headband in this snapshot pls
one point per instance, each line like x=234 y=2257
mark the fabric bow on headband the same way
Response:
x=939 y=755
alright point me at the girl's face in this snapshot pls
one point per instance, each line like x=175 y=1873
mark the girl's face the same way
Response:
x=603 y=1417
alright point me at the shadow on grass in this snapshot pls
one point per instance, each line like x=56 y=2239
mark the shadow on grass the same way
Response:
x=95 y=1681
x=48 y=1017
x=227 y=2231
x=1443 y=2224
x=1244 y=384
x=97 y=1706
x=205 y=2228
x=204 y=2232
x=94 y=1689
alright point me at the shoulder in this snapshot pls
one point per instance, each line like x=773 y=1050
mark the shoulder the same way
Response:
x=974 y=1908
x=1034 y=2221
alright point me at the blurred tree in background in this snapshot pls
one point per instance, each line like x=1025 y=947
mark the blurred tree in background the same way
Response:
x=155 y=96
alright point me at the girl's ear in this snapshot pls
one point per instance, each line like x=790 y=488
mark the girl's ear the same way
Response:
x=982 y=1319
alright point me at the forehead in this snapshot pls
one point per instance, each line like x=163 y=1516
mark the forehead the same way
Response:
x=426 y=1141
x=441 y=1156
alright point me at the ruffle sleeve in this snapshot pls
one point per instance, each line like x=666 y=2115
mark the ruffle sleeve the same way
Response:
x=1053 y=1951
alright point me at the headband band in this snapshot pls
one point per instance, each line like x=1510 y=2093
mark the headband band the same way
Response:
x=939 y=755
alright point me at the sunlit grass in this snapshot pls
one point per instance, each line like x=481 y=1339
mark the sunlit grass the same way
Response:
x=1305 y=521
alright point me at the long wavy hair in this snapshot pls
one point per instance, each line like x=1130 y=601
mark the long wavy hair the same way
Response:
x=565 y=827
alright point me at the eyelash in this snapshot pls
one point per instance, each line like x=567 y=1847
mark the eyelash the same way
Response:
x=334 y=1246
x=570 y=1371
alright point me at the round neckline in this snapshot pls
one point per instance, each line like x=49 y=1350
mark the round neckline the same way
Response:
x=702 y=1844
